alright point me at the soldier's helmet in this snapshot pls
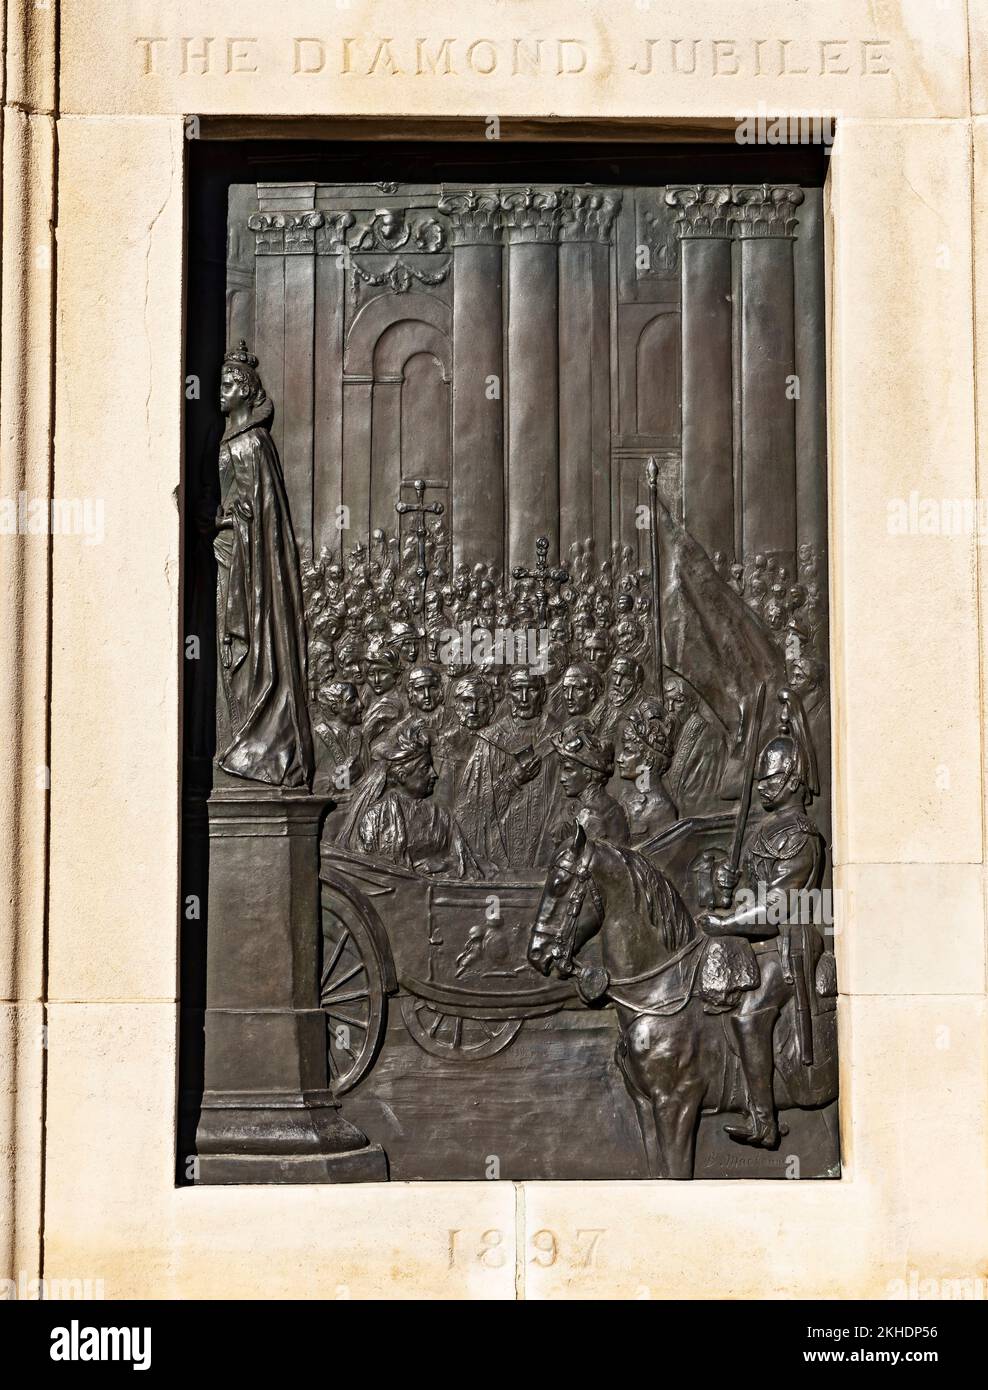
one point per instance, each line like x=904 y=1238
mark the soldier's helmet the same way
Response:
x=790 y=752
x=780 y=757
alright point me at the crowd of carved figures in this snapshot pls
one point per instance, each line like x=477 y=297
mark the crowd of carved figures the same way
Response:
x=464 y=718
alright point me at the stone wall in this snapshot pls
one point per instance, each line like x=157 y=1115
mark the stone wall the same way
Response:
x=96 y=118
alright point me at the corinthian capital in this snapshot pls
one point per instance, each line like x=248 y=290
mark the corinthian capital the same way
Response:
x=704 y=211
x=529 y=214
x=473 y=216
x=766 y=210
x=590 y=217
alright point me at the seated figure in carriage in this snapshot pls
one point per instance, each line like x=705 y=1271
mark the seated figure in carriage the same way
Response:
x=394 y=817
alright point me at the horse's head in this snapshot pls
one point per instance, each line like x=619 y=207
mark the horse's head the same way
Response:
x=571 y=910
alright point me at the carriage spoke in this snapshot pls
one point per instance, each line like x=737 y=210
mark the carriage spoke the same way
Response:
x=338 y=950
x=464 y=1038
x=344 y=1018
x=355 y=970
x=334 y=998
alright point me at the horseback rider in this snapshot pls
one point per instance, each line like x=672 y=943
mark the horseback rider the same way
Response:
x=586 y=765
x=782 y=862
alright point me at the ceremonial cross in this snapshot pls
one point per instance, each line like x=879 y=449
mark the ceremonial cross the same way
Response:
x=541 y=575
x=419 y=509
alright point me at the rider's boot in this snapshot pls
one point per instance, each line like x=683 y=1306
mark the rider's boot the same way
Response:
x=753 y=1034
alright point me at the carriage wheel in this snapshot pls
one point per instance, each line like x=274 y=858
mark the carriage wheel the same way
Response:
x=453 y=1037
x=351 y=992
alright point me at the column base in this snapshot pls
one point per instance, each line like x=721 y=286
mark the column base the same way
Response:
x=258 y=1137
x=359 y=1165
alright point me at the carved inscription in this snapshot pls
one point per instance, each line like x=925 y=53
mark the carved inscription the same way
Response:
x=545 y=58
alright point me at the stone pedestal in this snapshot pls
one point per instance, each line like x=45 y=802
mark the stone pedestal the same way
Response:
x=268 y=1114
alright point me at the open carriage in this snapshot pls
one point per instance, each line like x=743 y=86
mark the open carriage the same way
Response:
x=452 y=953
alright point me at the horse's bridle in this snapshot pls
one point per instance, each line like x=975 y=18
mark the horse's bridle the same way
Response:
x=564 y=948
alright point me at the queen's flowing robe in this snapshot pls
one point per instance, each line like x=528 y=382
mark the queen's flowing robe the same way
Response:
x=260 y=620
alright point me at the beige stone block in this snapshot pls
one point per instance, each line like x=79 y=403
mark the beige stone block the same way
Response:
x=978 y=39
x=905 y=612
x=22 y=1049
x=113 y=1212
x=910 y=929
x=911 y=1202
x=915 y=1125
x=29 y=45
x=25 y=465
x=702 y=1240
x=115 y=632
x=473 y=59
x=980 y=224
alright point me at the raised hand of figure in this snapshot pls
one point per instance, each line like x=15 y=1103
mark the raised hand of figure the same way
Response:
x=526 y=769
x=726 y=879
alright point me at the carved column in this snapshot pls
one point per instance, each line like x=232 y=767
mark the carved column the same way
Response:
x=765 y=223
x=327 y=443
x=531 y=221
x=477 y=488
x=28 y=258
x=268 y=1113
x=706 y=234
x=584 y=369
x=285 y=301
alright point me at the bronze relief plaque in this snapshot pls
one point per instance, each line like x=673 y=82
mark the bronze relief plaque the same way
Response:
x=508 y=730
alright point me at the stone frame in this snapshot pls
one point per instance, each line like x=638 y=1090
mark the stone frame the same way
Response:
x=100 y=972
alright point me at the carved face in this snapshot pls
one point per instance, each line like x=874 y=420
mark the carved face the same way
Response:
x=417 y=776
x=775 y=614
x=426 y=694
x=800 y=676
x=597 y=650
x=381 y=678
x=628 y=637
x=233 y=392
x=526 y=693
x=388 y=225
x=775 y=782
x=474 y=705
x=574 y=777
x=674 y=698
x=578 y=692
x=344 y=703
x=625 y=680
x=630 y=758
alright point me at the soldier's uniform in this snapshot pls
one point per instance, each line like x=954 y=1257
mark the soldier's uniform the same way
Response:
x=783 y=858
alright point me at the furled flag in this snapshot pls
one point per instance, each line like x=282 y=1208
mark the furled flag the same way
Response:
x=710 y=636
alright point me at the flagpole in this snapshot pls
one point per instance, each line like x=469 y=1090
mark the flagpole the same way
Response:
x=652 y=476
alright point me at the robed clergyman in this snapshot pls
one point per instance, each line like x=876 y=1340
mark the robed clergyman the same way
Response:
x=260 y=622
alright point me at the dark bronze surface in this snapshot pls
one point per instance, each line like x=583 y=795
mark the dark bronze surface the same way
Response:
x=511 y=728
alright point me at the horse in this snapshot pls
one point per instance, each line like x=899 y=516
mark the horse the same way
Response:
x=679 y=995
